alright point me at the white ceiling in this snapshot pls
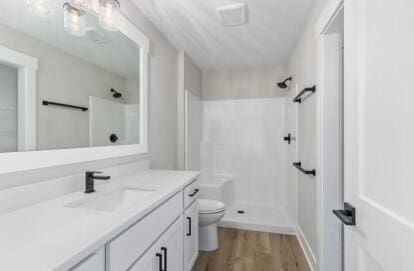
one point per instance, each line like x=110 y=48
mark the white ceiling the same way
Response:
x=193 y=25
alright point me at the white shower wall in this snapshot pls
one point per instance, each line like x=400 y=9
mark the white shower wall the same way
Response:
x=244 y=138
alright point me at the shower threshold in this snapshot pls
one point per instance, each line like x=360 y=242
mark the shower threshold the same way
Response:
x=257 y=217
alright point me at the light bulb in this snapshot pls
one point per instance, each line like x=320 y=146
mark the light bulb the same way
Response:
x=74 y=20
x=84 y=5
x=109 y=14
x=42 y=8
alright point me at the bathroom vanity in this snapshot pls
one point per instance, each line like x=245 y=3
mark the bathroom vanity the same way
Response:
x=144 y=221
x=82 y=98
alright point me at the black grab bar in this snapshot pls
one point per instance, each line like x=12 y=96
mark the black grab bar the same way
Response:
x=65 y=105
x=298 y=98
x=298 y=165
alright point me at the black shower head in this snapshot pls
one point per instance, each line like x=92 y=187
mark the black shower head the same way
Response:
x=116 y=94
x=283 y=84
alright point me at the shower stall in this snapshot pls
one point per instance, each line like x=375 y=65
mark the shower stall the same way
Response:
x=243 y=160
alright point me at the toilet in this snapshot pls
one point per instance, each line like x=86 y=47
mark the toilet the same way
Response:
x=210 y=212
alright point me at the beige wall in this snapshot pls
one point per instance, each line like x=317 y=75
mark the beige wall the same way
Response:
x=162 y=133
x=243 y=84
x=302 y=67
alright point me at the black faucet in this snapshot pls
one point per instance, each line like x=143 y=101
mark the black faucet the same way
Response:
x=90 y=180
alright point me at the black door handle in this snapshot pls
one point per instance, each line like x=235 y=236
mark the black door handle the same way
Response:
x=189 y=226
x=194 y=193
x=348 y=215
x=164 y=250
x=159 y=255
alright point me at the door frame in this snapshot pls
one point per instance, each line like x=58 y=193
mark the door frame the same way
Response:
x=27 y=67
x=329 y=194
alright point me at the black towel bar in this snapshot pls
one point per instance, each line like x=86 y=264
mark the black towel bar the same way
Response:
x=298 y=165
x=298 y=98
x=65 y=105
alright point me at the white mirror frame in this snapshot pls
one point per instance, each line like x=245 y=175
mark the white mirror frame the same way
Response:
x=29 y=160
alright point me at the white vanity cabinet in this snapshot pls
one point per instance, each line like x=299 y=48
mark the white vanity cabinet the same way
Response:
x=190 y=225
x=165 y=239
x=190 y=236
x=95 y=262
x=165 y=254
x=125 y=249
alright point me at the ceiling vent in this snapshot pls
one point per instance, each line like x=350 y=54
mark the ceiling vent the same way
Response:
x=233 y=14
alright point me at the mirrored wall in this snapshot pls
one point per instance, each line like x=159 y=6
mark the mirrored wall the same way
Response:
x=87 y=81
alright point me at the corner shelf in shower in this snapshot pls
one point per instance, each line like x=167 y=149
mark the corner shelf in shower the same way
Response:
x=298 y=98
x=46 y=103
x=298 y=165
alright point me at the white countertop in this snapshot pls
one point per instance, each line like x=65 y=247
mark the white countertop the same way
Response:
x=51 y=236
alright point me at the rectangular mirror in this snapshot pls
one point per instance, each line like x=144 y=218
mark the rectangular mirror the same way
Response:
x=85 y=89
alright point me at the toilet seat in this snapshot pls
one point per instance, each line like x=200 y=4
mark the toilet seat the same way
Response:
x=207 y=206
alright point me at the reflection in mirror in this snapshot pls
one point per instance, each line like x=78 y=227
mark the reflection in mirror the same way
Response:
x=87 y=82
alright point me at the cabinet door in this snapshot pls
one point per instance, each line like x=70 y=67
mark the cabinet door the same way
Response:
x=165 y=254
x=95 y=262
x=190 y=236
x=170 y=247
x=147 y=262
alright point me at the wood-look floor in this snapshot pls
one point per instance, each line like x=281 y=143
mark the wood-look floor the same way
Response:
x=253 y=251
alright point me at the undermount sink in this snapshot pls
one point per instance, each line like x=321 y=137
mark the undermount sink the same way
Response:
x=120 y=197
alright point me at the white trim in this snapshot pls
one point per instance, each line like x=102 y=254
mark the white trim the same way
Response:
x=26 y=70
x=19 y=161
x=306 y=248
x=325 y=199
x=17 y=59
x=328 y=14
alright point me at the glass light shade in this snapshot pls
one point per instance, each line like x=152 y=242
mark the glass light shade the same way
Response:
x=42 y=8
x=109 y=14
x=84 y=5
x=74 y=20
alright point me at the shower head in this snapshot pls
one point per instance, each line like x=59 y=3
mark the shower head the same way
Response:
x=283 y=84
x=116 y=94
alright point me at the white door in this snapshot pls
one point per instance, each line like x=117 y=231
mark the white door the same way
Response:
x=379 y=134
x=190 y=236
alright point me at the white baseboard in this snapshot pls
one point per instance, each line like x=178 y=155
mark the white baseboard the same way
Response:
x=307 y=250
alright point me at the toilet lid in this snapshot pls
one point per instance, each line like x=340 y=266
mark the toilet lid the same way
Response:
x=208 y=206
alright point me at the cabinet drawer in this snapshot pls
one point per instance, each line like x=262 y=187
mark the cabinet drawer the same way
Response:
x=191 y=192
x=130 y=245
x=95 y=262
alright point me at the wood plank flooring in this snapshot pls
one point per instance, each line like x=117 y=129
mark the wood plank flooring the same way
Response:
x=242 y=250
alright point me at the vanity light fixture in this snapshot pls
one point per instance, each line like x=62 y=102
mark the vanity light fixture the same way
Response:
x=109 y=14
x=74 y=20
x=42 y=8
x=83 y=5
